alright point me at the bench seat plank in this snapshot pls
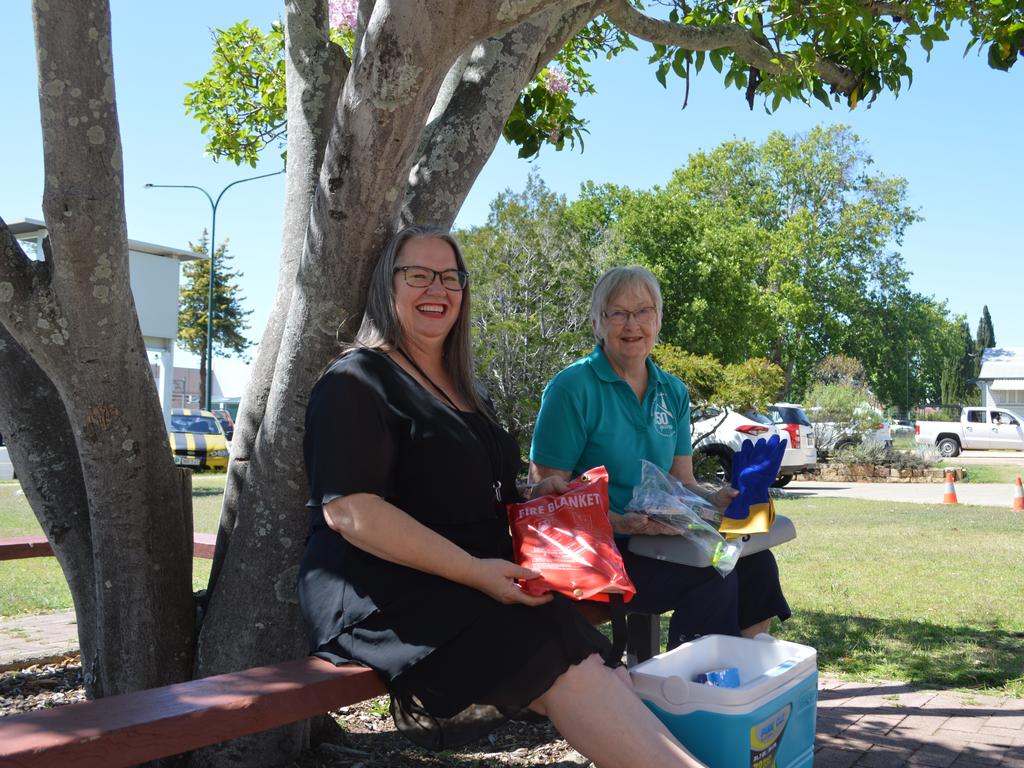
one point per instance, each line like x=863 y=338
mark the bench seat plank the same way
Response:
x=17 y=547
x=159 y=722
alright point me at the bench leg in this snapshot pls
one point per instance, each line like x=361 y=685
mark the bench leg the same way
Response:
x=643 y=637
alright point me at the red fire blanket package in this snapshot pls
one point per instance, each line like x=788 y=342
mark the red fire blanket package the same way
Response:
x=568 y=539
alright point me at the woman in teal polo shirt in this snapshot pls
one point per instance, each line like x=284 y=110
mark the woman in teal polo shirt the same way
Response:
x=616 y=407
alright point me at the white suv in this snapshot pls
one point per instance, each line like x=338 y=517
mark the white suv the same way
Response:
x=717 y=433
x=801 y=454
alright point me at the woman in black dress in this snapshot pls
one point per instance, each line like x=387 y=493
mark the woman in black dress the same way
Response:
x=408 y=567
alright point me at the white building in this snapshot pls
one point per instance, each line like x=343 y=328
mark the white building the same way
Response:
x=153 y=272
x=1002 y=379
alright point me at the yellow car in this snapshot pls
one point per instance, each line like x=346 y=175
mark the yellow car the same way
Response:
x=197 y=439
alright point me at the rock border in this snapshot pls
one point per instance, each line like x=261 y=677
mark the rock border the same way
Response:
x=875 y=473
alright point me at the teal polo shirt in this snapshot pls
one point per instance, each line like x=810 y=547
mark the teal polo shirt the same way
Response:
x=589 y=416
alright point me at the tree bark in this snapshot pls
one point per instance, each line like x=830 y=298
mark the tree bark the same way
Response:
x=316 y=70
x=458 y=141
x=75 y=317
x=42 y=449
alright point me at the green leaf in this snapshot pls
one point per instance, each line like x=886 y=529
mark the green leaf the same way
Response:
x=679 y=63
x=716 y=60
x=660 y=73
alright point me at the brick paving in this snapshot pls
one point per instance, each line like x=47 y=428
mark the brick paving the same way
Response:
x=889 y=724
x=860 y=725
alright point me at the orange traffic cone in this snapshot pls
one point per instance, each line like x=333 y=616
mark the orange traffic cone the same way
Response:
x=949 y=497
x=1018 y=497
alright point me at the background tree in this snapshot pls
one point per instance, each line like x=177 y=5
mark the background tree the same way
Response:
x=531 y=283
x=397 y=130
x=985 y=339
x=229 y=319
x=958 y=368
x=841 y=369
x=747 y=386
x=782 y=250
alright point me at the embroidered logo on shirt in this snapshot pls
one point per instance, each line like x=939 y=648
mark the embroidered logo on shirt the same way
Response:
x=664 y=419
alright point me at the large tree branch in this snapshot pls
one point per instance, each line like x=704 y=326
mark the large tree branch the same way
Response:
x=468 y=120
x=28 y=308
x=733 y=36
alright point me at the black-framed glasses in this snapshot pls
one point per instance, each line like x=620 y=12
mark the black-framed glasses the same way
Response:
x=644 y=315
x=421 y=277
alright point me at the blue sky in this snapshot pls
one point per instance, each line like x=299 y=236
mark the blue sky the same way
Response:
x=951 y=136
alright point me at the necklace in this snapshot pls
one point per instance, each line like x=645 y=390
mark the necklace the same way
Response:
x=429 y=380
x=484 y=433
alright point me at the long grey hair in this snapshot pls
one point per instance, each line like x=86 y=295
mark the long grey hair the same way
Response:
x=380 y=328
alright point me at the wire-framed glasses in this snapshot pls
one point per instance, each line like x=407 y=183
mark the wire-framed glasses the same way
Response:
x=644 y=315
x=421 y=277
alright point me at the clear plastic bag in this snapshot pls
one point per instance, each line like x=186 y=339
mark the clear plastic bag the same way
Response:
x=664 y=499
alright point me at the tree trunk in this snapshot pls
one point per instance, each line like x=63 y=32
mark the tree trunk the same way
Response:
x=316 y=71
x=42 y=449
x=407 y=49
x=75 y=317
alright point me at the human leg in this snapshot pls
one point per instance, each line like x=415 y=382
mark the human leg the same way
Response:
x=760 y=593
x=595 y=709
x=702 y=602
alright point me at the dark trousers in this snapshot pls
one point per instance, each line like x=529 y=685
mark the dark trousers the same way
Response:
x=701 y=600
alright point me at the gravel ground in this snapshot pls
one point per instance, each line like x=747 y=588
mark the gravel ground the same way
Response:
x=366 y=737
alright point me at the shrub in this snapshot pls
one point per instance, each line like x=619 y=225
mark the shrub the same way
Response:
x=879 y=455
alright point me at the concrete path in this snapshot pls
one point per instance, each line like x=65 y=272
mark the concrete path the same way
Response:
x=37 y=639
x=986 y=494
x=860 y=725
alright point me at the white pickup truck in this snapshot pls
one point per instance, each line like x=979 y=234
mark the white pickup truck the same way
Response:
x=987 y=429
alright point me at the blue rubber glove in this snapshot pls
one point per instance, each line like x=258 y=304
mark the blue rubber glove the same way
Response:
x=754 y=468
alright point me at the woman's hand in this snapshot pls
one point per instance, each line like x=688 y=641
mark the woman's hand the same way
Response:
x=723 y=496
x=554 y=484
x=496 y=579
x=635 y=523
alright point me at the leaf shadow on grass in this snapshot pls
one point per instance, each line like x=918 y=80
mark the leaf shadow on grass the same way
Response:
x=918 y=652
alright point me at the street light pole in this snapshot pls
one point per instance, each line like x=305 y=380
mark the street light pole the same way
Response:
x=207 y=384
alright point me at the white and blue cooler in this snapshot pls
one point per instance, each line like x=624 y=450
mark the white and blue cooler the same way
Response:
x=767 y=721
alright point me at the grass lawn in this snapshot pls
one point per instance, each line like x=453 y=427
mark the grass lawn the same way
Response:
x=987 y=473
x=928 y=594
x=37 y=584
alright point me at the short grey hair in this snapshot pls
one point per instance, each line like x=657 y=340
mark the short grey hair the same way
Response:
x=616 y=281
x=380 y=328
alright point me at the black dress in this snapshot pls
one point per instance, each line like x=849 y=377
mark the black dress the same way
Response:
x=455 y=661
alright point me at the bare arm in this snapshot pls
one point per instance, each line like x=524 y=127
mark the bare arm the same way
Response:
x=682 y=470
x=382 y=529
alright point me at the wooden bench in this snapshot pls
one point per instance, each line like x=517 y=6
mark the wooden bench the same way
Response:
x=136 y=727
x=160 y=722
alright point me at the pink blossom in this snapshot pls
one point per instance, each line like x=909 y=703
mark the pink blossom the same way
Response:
x=555 y=136
x=555 y=81
x=342 y=13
